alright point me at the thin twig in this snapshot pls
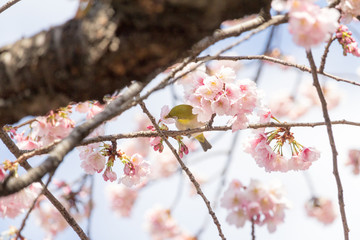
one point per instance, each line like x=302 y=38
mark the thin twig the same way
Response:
x=186 y=170
x=274 y=60
x=252 y=229
x=91 y=204
x=324 y=56
x=332 y=144
x=8 y=5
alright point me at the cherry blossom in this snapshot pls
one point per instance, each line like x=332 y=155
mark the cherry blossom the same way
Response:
x=322 y=209
x=15 y=204
x=136 y=170
x=222 y=94
x=311 y=25
x=92 y=160
x=121 y=199
x=272 y=158
x=347 y=41
x=160 y=224
x=257 y=202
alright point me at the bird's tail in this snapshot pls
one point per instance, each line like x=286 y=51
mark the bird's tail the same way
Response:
x=204 y=143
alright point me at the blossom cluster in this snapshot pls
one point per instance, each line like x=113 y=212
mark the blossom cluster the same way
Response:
x=347 y=41
x=322 y=209
x=309 y=24
x=76 y=200
x=161 y=225
x=272 y=158
x=15 y=204
x=256 y=203
x=221 y=94
x=121 y=199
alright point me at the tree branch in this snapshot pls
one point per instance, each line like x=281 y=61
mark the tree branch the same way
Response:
x=115 y=43
x=186 y=170
x=68 y=218
x=116 y=107
x=332 y=143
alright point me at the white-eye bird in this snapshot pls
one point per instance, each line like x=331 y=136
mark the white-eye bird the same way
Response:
x=185 y=119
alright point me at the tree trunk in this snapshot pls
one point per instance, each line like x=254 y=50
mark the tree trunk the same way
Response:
x=116 y=42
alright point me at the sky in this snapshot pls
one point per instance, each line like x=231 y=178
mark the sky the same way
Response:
x=29 y=17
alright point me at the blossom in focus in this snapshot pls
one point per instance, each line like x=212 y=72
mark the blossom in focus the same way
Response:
x=221 y=94
x=347 y=41
x=92 y=160
x=257 y=202
x=46 y=130
x=273 y=158
x=160 y=224
x=121 y=199
x=136 y=170
x=311 y=25
x=322 y=209
x=354 y=160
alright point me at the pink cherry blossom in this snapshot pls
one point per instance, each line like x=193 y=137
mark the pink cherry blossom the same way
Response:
x=50 y=219
x=122 y=199
x=257 y=202
x=311 y=25
x=221 y=94
x=26 y=143
x=265 y=156
x=322 y=209
x=332 y=94
x=164 y=164
x=82 y=107
x=48 y=129
x=347 y=41
x=135 y=171
x=15 y=204
x=109 y=175
x=164 y=112
x=92 y=162
x=160 y=224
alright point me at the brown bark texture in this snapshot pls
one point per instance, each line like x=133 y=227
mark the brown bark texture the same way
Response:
x=114 y=43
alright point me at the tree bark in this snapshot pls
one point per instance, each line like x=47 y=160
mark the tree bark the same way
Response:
x=116 y=42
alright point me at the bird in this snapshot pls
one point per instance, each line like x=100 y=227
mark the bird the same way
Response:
x=185 y=119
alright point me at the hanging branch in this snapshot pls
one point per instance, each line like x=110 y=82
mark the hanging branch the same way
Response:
x=332 y=143
x=68 y=218
x=186 y=170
